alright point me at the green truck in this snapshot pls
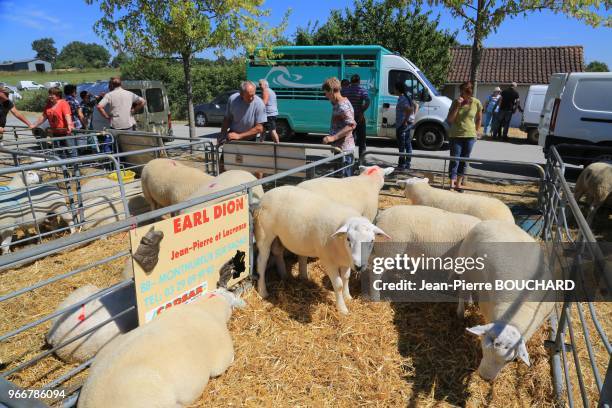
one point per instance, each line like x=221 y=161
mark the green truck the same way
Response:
x=296 y=74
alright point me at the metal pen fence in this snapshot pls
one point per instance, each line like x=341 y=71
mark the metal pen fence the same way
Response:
x=579 y=342
x=27 y=326
x=555 y=200
x=79 y=190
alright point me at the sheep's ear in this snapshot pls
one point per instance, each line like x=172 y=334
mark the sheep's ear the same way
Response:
x=379 y=231
x=522 y=353
x=480 y=330
x=388 y=170
x=342 y=230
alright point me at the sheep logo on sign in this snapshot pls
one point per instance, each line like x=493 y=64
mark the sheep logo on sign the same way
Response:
x=147 y=253
x=232 y=269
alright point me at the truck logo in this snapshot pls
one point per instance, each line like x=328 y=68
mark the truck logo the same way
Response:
x=281 y=76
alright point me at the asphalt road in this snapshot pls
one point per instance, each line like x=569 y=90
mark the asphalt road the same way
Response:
x=513 y=150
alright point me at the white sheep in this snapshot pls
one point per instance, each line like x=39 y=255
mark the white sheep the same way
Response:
x=230 y=178
x=417 y=230
x=358 y=192
x=595 y=182
x=421 y=224
x=107 y=207
x=166 y=182
x=311 y=225
x=510 y=254
x=419 y=192
x=88 y=315
x=99 y=186
x=16 y=211
x=168 y=361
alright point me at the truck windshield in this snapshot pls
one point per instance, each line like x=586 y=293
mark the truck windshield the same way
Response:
x=431 y=86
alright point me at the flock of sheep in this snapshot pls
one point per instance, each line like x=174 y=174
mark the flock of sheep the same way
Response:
x=331 y=219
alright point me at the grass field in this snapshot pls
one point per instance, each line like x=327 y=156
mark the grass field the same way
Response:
x=71 y=76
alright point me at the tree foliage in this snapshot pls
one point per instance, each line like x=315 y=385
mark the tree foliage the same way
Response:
x=483 y=17
x=209 y=78
x=45 y=49
x=183 y=28
x=119 y=59
x=397 y=27
x=597 y=66
x=77 y=54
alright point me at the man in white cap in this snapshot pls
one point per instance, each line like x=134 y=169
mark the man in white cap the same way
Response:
x=508 y=103
x=489 y=109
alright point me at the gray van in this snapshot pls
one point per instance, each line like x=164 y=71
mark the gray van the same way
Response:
x=154 y=116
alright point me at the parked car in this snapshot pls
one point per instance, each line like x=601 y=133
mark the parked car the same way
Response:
x=29 y=85
x=53 y=84
x=14 y=95
x=530 y=119
x=303 y=108
x=212 y=112
x=577 y=111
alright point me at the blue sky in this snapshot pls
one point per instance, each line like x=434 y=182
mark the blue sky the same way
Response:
x=68 y=20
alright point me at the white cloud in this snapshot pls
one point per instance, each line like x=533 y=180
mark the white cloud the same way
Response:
x=43 y=16
x=36 y=19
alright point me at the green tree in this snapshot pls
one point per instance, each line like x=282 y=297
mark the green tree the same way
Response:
x=597 y=66
x=209 y=78
x=396 y=27
x=183 y=28
x=77 y=54
x=119 y=59
x=45 y=49
x=483 y=17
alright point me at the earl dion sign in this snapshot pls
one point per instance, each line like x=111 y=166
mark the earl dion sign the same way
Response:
x=178 y=259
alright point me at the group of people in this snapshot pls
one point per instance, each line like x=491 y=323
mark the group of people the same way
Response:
x=65 y=113
x=248 y=115
x=498 y=111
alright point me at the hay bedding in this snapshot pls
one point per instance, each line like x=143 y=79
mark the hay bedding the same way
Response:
x=293 y=349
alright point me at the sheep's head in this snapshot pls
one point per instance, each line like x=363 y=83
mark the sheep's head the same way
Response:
x=31 y=177
x=411 y=184
x=358 y=235
x=231 y=299
x=501 y=343
x=374 y=171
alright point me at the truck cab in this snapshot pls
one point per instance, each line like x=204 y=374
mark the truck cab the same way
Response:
x=296 y=74
x=431 y=128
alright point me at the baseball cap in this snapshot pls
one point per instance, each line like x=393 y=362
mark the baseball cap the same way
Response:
x=497 y=89
x=514 y=84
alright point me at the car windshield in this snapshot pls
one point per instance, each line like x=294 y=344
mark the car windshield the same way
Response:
x=431 y=86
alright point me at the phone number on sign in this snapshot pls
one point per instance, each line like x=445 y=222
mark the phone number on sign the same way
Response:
x=38 y=394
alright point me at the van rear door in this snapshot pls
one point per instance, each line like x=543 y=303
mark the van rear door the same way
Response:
x=554 y=91
x=156 y=106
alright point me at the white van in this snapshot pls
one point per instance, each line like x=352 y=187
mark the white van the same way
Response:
x=29 y=85
x=530 y=119
x=578 y=111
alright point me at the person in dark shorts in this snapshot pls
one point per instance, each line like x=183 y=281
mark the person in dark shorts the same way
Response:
x=508 y=103
x=6 y=106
